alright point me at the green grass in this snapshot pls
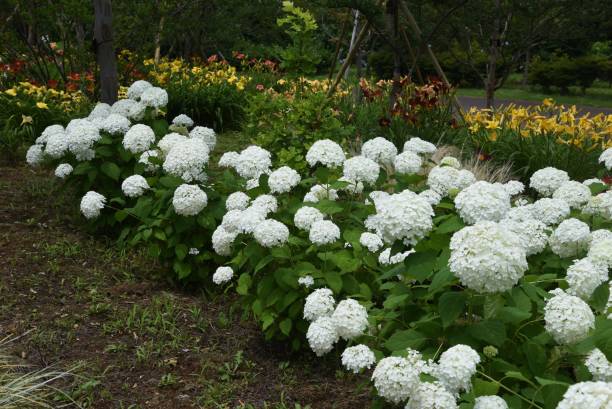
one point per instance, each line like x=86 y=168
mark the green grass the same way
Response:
x=595 y=97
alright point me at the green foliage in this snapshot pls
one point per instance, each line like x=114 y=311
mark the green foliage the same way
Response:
x=302 y=55
x=562 y=71
x=290 y=125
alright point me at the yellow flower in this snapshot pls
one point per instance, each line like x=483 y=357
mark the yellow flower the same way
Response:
x=42 y=105
x=548 y=102
x=25 y=119
x=493 y=135
x=12 y=92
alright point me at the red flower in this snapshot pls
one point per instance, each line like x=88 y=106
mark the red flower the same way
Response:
x=213 y=58
x=259 y=87
x=384 y=122
x=52 y=84
x=607 y=180
x=74 y=76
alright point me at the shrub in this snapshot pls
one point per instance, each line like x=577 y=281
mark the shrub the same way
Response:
x=462 y=289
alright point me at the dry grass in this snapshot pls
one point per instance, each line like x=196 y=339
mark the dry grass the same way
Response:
x=21 y=387
x=482 y=169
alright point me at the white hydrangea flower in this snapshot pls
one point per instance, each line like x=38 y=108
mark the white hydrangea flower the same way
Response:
x=450 y=161
x=194 y=251
x=322 y=336
x=47 y=132
x=253 y=162
x=207 y=135
x=229 y=159
x=267 y=203
x=490 y=402
x=514 y=187
x=115 y=124
x=137 y=88
x=357 y=358
x=318 y=192
x=283 y=179
x=600 y=250
x=456 y=367
x=183 y=120
x=546 y=181
x=407 y=163
x=91 y=204
x=237 y=201
x=63 y=169
x=232 y=220
x=599 y=366
x=56 y=145
x=154 y=97
x=567 y=318
x=371 y=241
x=82 y=136
x=432 y=197
x=271 y=233
x=101 y=110
x=189 y=200
x=251 y=217
x=144 y=159
x=305 y=216
x=222 y=275
x=129 y=108
x=593 y=181
x=386 y=259
x=584 y=276
x=34 y=155
x=587 y=395
x=380 y=151
x=361 y=169
x=600 y=204
x=134 y=186
x=606 y=158
x=395 y=378
x=417 y=145
x=570 y=238
x=430 y=395
x=252 y=184
x=222 y=241
x=487 y=258
x=138 y=138
x=319 y=303
x=521 y=213
x=169 y=141
x=575 y=194
x=306 y=281
x=401 y=216
x=482 y=201
x=532 y=233
x=326 y=152
x=550 y=211
x=350 y=319
x=323 y=232
x=187 y=160
x=444 y=179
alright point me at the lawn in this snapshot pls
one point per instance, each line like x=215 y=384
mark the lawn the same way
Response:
x=596 y=97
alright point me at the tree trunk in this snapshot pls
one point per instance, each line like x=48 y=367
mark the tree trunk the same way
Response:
x=526 y=67
x=491 y=81
x=158 y=37
x=353 y=36
x=392 y=16
x=105 y=53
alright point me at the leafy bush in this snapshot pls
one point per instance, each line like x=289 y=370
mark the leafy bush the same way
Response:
x=462 y=289
x=562 y=72
x=292 y=123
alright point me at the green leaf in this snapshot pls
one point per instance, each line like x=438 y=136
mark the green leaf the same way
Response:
x=285 y=326
x=111 y=170
x=513 y=315
x=394 y=300
x=450 y=225
x=484 y=388
x=450 y=306
x=181 y=251
x=405 y=339
x=440 y=280
x=345 y=261
x=120 y=215
x=599 y=299
x=327 y=206
x=536 y=357
x=334 y=280
x=519 y=376
x=421 y=265
x=491 y=331
x=244 y=283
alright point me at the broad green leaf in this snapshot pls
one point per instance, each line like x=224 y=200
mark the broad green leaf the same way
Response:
x=450 y=306
x=491 y=331
x=421 y=265
x=111 y=170
x=405 y=339
x=334 y=280
x=181 y=251
x=285 y=326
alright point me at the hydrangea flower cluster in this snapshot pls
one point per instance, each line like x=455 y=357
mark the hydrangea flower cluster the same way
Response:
x=134 y=186
x=91 y=204
x=380 y=151
x=606 y=158
x=570 y=238
x=587 y=395
x=545 y=181
x=483 y=201
x=358 y=358
x=283 y=179
x=325 y=152
x=189 y=200
x=487 y=257
x=222 y=275
x=567 y=318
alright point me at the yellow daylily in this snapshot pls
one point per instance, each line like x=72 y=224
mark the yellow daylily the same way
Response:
x=11 y=91
x=42 y=105
x=26 y=119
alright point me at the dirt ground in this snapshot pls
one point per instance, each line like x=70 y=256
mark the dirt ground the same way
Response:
x=132 y=339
